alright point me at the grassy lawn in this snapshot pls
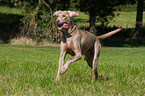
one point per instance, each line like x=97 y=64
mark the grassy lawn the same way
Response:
x=27 y=70
x=6 y=10
x=126 y=20
x=122 y=19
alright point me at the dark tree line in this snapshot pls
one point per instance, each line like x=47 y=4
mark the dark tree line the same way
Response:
x=38 y=16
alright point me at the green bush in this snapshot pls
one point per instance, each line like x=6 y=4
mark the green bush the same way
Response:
x=38 y=26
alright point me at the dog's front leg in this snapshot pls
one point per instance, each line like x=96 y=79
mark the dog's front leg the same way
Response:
x=65 y=67
x=61 y=60
x=76 y=57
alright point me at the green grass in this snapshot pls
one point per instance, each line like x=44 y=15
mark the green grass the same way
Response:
x=126 y=8
x=27 y=70
x=126 y=20
x=122 y=19
x=81 y=20
x=6 y=10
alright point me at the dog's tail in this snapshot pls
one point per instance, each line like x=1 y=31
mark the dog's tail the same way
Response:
x=109 y=34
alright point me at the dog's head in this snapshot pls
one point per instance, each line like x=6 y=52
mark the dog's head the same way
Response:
x=63 y=20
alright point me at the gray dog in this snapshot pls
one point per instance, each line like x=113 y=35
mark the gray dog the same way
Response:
x=77 y=42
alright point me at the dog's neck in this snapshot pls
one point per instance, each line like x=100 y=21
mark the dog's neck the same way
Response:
x=64 y=37
x=72 y=27
x=66 y=33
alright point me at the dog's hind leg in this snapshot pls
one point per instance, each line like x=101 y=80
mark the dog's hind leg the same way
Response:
x=89 y=57
x=97 y=49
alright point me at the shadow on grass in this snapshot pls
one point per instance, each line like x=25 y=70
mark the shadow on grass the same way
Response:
x=103 y=78
x=86 y=79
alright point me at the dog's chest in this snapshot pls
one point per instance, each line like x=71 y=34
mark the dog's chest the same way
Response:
x=69 y=43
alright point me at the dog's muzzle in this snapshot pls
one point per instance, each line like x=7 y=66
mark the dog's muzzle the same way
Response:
x=62 y=25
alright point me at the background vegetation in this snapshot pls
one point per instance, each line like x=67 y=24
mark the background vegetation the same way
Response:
x=33 y=19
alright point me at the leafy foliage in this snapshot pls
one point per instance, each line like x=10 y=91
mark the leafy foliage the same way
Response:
x=38 y=21
x=39 y=24
x=102 y=9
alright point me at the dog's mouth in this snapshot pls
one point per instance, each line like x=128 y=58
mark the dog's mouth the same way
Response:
x=63 y=26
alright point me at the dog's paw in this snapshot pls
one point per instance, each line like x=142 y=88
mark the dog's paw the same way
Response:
x=57 y=78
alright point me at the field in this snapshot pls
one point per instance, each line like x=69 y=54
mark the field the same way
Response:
x=122 y=19
x=6 y=10
x=31 y=70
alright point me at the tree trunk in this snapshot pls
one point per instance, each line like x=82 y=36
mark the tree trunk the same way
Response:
x=139 y=19
x=92 y=20
x=92 y=14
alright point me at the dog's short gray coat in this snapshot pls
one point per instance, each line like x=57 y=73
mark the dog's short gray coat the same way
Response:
x=77 y=43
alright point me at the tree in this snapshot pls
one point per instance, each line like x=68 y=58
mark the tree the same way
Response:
x=38 y=20
x=102 y=9
x=139 y=18
x=99 y=10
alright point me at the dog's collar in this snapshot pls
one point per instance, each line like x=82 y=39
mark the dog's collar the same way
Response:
x=72 y=29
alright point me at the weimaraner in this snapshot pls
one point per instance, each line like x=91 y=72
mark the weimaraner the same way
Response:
x=77 y=43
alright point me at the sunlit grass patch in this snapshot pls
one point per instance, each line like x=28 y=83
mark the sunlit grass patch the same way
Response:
x=122 y=19
x=7 y=10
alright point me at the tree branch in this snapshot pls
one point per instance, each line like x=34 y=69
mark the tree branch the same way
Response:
x=50 y=12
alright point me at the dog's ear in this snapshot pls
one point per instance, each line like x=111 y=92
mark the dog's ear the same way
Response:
x=72 y=14
x=56 y=13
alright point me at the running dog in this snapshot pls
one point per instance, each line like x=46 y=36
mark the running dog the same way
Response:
x=77 y=43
